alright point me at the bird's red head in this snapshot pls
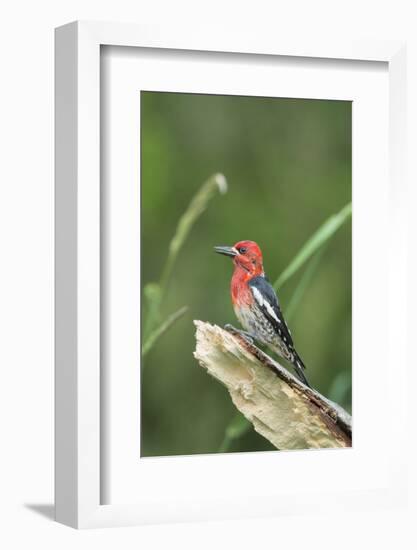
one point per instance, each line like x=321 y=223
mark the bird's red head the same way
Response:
x=247 y=256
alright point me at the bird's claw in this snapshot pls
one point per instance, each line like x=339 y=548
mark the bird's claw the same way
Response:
x=246 y=335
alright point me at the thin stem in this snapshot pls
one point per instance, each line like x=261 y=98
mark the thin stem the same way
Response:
x=161 y=329
x=216 y=183
x=316 y=241
x=303 y=284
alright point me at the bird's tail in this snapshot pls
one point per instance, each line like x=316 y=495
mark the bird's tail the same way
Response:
x=299 y=368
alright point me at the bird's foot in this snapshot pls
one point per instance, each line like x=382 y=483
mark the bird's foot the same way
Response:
x=246 y=335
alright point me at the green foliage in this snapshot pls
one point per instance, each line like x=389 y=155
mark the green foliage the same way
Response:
x=303 y=284
x=316 y=241
x=340 y=387
x=154 y=292
x=199 y=203
x=236 y=428
x=152 y=295
x=153 y=337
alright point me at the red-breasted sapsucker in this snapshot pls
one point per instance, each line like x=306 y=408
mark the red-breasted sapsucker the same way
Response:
x=256 y=305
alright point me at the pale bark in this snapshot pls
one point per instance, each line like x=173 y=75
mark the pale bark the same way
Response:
x=280 y=407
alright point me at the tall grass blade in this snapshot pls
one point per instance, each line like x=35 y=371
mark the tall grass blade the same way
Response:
x=340 y=388
x=154 y=292
x=321 y=236
x=150 y=341
x=216 y=183
x=152 y=297
x=237 y=427
x=303 y=284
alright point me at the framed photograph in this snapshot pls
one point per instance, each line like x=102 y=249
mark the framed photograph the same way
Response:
x=228 y=213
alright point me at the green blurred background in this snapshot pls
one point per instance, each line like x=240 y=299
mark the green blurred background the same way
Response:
x=288 y=168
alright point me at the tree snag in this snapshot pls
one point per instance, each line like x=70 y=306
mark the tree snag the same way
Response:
x=280 y=407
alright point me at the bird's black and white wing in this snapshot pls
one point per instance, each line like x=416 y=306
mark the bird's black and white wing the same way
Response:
x=267 y=302
x=268 y=306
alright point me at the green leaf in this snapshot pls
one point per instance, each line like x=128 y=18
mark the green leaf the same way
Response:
x=340 y=387
x=154 y=292
x=153 y=296
x=317 y=240
x=237 y=427
x=216 y=183
x=303 y=284
x=150 y=341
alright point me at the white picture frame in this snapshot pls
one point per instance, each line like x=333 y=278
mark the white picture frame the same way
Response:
x=78 y=404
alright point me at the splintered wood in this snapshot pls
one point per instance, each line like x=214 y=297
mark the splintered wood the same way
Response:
x=280 y=407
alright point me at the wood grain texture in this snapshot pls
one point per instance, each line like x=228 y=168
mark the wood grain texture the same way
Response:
x=280 y=407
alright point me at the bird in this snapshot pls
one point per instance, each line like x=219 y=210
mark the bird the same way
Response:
x=256 y=304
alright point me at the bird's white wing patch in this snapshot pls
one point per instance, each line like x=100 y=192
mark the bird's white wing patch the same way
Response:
x=257 y=295
x=264 y=303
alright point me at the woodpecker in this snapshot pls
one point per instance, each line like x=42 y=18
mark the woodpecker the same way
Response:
x=256 y=304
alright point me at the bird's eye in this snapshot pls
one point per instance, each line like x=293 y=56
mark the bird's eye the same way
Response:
x=242 y=250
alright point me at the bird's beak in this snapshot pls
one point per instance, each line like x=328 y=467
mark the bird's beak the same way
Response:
x=226 y=250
